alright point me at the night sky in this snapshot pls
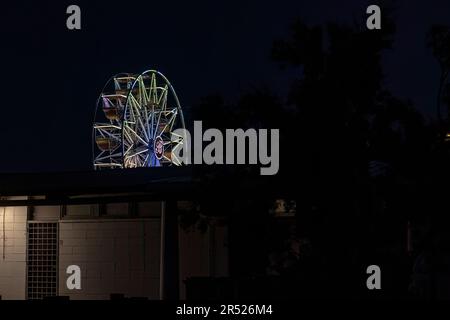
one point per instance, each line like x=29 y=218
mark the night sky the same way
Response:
x=51 y=76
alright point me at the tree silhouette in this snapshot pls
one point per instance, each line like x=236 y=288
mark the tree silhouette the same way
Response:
x=439 y=42
x=359 y=162
x=358 y=142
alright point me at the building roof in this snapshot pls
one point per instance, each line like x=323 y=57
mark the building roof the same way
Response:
x=139 y=184
x=77 y=187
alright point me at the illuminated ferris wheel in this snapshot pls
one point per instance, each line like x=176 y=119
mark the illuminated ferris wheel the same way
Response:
x=135 y=120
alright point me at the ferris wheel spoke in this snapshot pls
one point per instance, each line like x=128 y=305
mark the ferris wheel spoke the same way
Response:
x=110 y=135
x=143 y=156
x=175 y=160
x=143 y=150
x=146 y=158
x=128 y=150
x=152 y=89
x=147 y=126
x=139 y=92
x=171 y=122
x=164 y=128
x=176 y=135
x=156 y=129
x=162 y=102
x=109 y=156
x=140 y=159
x=142 y=92
x=176 y=144
x=127 y=135
x=137 y=136
x=100 y=154
x=138 y=109
x=105 y=126
x=130 y=115
x=164 y=93
x=144 y=130
x=105 y=133
x=175 y=147
x=135 y=104
x=152 y=120
x=164 y=157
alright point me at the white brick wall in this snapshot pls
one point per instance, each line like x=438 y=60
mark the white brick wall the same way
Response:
x=115 y=256
x=13 y=262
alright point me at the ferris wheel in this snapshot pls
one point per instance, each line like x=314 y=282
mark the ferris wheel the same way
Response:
x=135 y=120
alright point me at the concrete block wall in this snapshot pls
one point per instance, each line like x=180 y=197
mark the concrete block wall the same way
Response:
x=13 y=238
x=115 y=256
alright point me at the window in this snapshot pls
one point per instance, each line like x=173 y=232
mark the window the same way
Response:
x=42 y=258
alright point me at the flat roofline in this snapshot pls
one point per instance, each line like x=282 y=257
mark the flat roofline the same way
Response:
x=90 y=182
x=141 y=184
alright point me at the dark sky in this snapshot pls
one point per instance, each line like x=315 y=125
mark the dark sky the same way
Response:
x=51 y=77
